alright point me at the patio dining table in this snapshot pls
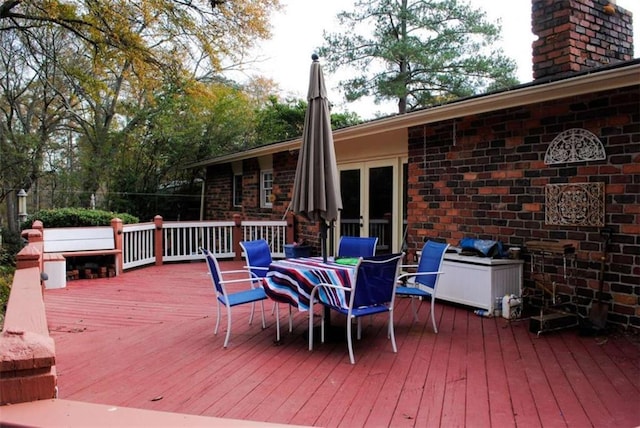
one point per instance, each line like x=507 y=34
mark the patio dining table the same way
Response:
x=292 y=280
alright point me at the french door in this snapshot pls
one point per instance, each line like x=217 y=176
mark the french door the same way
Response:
x=371 y=202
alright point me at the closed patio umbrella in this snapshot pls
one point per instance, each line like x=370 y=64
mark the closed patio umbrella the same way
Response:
x=316 y=190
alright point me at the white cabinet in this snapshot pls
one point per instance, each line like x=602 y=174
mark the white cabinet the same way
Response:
x=478 y=281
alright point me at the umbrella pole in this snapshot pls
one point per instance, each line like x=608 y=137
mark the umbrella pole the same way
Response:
x=332 y=334
x=323 y=249
x=323 y=239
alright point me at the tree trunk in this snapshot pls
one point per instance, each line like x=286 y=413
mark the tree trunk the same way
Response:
x=12 y=212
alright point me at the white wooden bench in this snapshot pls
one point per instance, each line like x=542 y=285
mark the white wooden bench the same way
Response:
x=65 y=242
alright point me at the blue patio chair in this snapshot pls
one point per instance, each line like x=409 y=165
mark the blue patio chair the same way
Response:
x=356 y=246
x=372 y=292
x=423 y=283
x=258 y=256
x=254 y=293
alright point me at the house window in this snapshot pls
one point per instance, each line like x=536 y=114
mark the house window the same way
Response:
x=266 y=189
x=237 y=190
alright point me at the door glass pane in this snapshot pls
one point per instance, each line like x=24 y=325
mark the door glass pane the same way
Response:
x=350 y=215
x=381 y=207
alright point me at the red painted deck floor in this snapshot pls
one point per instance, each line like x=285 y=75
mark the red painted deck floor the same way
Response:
x=145 y=340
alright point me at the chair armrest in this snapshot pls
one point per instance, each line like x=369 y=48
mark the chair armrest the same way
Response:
x=330 y=285
x=256 y=267
x=408 y=266
x=239 y=280
x=232 y=271
x=313 y=295
x=412 y=274
x=236 y=281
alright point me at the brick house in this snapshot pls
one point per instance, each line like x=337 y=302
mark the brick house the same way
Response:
x=554 y=159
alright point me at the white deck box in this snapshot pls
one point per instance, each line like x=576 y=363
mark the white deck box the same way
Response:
x=478 y=281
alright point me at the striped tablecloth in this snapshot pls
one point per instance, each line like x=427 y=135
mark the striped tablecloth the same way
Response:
x=291 y=280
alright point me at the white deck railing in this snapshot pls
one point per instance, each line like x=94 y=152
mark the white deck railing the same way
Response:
x=137 y=245
x=181 y=240
x=379 y=228
x=270 y=231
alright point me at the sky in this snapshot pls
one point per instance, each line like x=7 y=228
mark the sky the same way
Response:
x=297 y=31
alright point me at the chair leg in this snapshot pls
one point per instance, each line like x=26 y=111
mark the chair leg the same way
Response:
x=359 y=330
x=226 y=339
x=277 y=308
x=351 y=358
x=311 y=328
x=433 y=314
x=253 y=307
x=264 y=321
x=392 y=333
x=290 y=320
x=414 y=309
x=322 y=326
x=217 y=317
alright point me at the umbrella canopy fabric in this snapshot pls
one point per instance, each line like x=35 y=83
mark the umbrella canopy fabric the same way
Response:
x=316 y=189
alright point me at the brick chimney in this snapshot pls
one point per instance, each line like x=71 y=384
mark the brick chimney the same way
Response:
x=577 y=35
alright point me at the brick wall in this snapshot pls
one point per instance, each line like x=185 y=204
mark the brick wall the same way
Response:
x=218 y=203
x=219 y=187
x=576 y=35
x=484 y=176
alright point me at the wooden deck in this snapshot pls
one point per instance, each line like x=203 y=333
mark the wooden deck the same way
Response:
x=145 y=340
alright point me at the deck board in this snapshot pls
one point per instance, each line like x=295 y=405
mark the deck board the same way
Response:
x=145 y=340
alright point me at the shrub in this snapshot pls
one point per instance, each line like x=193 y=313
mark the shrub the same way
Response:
x=71 y=217
x=6 y=279
x=12 y=243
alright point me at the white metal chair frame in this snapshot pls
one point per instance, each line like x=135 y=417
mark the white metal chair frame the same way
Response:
x=228 y=300
x=252 y=251
x=357 y=313
x=416 y=290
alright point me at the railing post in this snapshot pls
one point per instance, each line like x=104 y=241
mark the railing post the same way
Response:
x=34 y=239
x=116 y=224
x=237 y=237
x=29 y=257
x=37 y=225
x=291 y=230
x=158 y=244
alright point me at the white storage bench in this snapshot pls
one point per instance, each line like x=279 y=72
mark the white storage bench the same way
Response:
x=478 y=281
x=65 y=242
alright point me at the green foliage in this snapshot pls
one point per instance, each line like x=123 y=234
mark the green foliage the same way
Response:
x=419 y=52
x=6 y=279
x=86 y=99
x=12 y=243
x=281 y=121
x=344 y=120
x=71 y=217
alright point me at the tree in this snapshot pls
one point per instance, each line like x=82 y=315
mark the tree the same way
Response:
x=117 y=57
x=31 y=109
x=199 y=31
x=280 y=121
x=420 y=52
x=185 y=121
